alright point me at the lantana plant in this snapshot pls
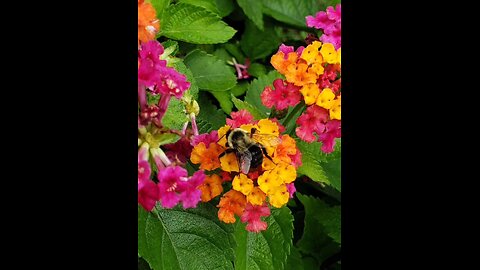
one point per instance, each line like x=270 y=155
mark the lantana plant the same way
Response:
x=271 y=69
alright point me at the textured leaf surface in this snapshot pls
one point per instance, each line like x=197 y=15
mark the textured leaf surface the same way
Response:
x=257 y=44
x=321 y=167
x=321 y=221
x=291 y=11
x=194 y=24
x=256 y=113
x=185 y=239
x=210 y=72
x=267 y=250
x=253 y=10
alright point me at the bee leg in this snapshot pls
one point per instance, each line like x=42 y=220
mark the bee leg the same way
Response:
x=229 y=150
x=252 y=131
x=264 y=150
x=225 y=135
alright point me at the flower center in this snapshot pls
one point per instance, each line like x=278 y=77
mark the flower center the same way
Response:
x=172 y=187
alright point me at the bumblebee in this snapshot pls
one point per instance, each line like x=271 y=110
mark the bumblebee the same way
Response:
x=247 y=148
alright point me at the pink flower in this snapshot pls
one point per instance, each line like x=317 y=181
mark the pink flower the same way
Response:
x=312 y=120
x=150 y=63
x=239 y=118
x=144 y=170
x=252 y=215
x=189 y=194
x=296 y=158
x=148 y=193
x=206 y=138
x=285 y=94
x=291 y=189
x=168 y=179
x=331 y=24
x=171 y=82
x=332 y=131
x=288 y=49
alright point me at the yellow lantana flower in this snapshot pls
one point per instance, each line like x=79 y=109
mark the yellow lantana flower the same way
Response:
x=256 y=196
x=243 y=184
x=278 y=196
x=325 y=98
x=336 y=109
x=329 y=53
x=310 y=93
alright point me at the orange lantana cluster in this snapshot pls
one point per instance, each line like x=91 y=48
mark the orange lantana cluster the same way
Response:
x=251 y=194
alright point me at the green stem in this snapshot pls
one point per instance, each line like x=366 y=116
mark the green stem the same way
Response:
x=300 y=106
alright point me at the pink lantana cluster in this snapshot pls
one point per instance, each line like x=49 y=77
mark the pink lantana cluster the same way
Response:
x=330 y=21
x=155 y=77
x=161 y=173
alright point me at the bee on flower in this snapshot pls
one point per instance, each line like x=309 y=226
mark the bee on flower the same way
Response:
x=261 y=164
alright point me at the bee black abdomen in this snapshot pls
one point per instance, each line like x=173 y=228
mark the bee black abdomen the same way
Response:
x=257 y=156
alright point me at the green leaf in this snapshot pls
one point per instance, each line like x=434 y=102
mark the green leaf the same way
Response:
x=210 y=117
x=223 y=98
x=315 y=241
x=269 y=249
x=160 y=7
x=257 y=70
x=294 y=260
x=292 y=12
x=320 y=167
x=256 y=89
x=257 y=114
x=328 y=216
x=170 y=43
x=210 y=73
x=185 y=239
x=235 y=52
x=209 y=5
x=257 y=44
x=221 y=53
x=225 y=7
x=175 y=116
x=240 y=88
x=253 y=10
x=195 y=25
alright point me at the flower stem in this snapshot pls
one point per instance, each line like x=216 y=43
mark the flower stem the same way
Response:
x=194 y=124
x=162 y=106
x=296 y=109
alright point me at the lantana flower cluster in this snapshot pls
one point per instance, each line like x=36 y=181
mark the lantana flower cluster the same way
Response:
x=161 y=176
x=312 y=74
x=248 y=196
x=330 y=22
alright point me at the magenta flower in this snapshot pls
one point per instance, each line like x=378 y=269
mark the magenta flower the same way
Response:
x=296 y=158
x=283 y=96
x=171 y=82
x=332 y=131
x=239 y=118
x=288 y=49
x=331 y=24
x=206 y=138
x=189 y=194
x=150 y=63
x=291 y=189
x=252 y=215
x=168 y=179
x=312 y=120
x=148 y=193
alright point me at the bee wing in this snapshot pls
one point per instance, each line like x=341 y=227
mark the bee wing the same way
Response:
x=267 y=139
x=244 y=161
